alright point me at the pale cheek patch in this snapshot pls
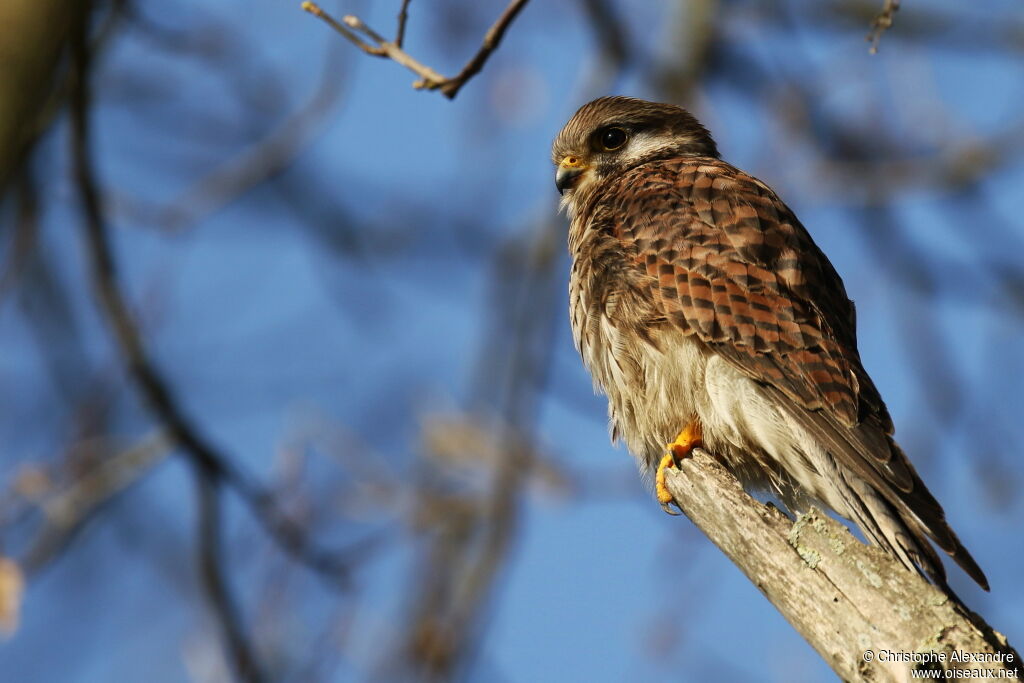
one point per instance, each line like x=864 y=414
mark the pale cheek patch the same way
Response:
x=585 y=180
x=647 y=145
x=642 y=145
x=565 y=204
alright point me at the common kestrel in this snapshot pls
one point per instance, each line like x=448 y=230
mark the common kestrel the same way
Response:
x=703 y=309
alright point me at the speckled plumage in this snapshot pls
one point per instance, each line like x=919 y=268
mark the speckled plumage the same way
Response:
x=696 y=294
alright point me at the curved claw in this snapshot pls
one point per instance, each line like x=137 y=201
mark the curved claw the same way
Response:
x=681 y=448
x=667 y=507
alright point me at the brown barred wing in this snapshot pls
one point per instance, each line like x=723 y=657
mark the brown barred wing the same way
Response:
x=731 y=264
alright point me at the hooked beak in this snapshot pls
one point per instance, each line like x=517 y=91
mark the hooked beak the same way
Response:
x=569 y=170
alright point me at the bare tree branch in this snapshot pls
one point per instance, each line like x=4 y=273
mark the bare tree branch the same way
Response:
x=474 y=532
x=853 y=603
x=403 y=16
x=155 y=390
x=69 y=509
x=26 y=232
x=211 y=573
x=491 y=41
x=350 y=27
x=34 y=35
x=12 y=593
x=882 y=22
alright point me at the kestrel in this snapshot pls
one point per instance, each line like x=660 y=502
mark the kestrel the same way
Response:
x=705 y=312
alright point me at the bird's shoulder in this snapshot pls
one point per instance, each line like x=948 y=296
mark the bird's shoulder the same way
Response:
x=699 y=211
x=686 y=198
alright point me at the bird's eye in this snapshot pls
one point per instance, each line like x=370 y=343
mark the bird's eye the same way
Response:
x=612 y=138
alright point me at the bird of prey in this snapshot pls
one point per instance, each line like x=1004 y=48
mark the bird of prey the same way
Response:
x=705 y=311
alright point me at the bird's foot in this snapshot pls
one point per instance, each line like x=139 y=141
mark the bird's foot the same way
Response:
x=681 y=448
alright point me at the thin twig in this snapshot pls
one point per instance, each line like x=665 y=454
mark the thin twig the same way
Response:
x=429 y=79
x=68 y=511
x=351 y=26
x=26 y=231
x=491 y=41
x=403 y=16
x=153 y=387
x=474 y=535
x=882 y=22
x=318 y=12
x=215 y=584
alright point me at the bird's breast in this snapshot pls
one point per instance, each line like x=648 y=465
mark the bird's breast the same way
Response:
x=651 y=371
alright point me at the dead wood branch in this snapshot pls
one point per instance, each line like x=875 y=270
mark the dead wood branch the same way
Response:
x=857 y=606
x=882 y=23
x=351 y=27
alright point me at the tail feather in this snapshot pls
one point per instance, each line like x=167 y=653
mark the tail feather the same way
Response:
x=924 y=514
x=882 y=525
x=886 y=497
x=907 y=522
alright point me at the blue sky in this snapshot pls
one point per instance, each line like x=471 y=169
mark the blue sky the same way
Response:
x=262 y=321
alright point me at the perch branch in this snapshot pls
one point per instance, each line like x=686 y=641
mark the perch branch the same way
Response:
x=845 y=598
x=350 y=27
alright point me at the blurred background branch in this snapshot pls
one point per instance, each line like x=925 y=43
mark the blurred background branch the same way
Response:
x=152 y=386
x=882 y=23
x=34 y=37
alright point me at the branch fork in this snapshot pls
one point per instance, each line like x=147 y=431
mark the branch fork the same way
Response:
x=356 y=31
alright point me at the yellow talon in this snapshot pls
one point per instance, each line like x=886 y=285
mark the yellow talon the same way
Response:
x=660 y=487
x=680 y=448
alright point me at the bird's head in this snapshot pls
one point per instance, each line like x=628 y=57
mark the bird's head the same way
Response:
x=614 y=134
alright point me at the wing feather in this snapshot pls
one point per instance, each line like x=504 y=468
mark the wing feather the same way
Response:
x=734 y=266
